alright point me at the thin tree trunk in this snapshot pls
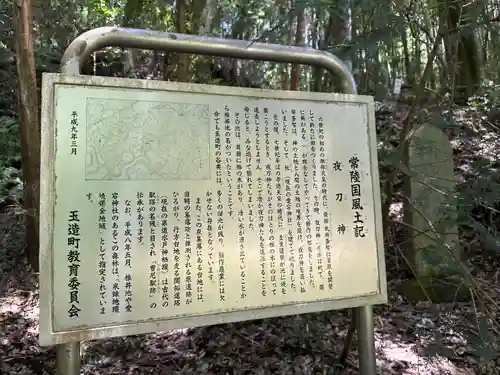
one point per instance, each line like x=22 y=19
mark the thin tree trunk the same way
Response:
x=317 y=72
x=299 y=40
x=354 y=33
x=406 y=58
x=182 y=58
x=208 y=16
x=29 y=125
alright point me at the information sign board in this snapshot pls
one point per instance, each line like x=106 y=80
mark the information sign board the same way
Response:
x=168 y=205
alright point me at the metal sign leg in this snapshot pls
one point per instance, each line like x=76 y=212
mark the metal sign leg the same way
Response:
x=366 y=340
x=68 y=359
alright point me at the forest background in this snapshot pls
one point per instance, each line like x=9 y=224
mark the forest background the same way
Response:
x=446 y=53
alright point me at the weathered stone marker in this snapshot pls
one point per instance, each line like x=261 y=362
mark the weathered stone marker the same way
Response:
x=433 y=249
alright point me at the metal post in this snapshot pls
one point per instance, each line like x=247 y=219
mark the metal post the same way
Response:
x=366 y=340
x=68 y=355
x=68 y=359
x=87 y=43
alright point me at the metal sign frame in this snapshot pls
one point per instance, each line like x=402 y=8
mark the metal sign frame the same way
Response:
x=68 y=355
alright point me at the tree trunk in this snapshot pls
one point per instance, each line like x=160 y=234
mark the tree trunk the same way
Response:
x=417 y=50
x=131 y=13
x=196 y=10
x=317 y=72
x=354 y=42
x=338 y=34
x=299 y=40
x=463 y=54
x=410 y=77
x=28 y=124
x=182 y=58
x=207 y=17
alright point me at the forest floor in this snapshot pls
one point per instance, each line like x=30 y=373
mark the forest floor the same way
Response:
x=411 y=338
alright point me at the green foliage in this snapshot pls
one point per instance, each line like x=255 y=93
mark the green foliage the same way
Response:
x=387 y=40
x=9 y=140
x=488 y=99
x=10 y=156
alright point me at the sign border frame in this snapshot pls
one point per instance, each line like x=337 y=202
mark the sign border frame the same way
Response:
x=48 y=336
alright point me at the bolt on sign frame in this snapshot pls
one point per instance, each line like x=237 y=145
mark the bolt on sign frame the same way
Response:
x=68 y=343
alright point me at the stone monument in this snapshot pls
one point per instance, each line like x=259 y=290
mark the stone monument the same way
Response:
x=433 y=249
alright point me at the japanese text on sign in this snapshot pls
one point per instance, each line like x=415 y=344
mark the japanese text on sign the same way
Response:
x=188 y=204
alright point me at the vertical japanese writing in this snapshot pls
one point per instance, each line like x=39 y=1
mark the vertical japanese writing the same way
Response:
x=210 y=241
x=284 y=120
x=128 y=234
x=241 y=244
x=177 y=252
x=101 y=224
x=324 y=200
x=247 y=119
x=282 y=263
x=102 y=276
x=128 y=257
x=241 y=215
x=74 y=132
x=266 y=131
x=286 y=155
x=258 y=131
x=339 y=197
x=74 y=263
x=309 y=238
x=115 y=262
x=188 y=252
x=164 y=250
x=220 y=238
x=262 y=245
x=237 y=126
x=239 y=174
x=199 y=251
x=176 y=205
x=228 y=160
x=194 y=235
x=294 y=122
x=271 y=241
x=140 y=217
x=249 y=161
x=276 y=123
x=220 y=218
x=278 y=180
x=249 y=183
x=218 y=151
x=153 y=266
x=222 y=277
x=298 y=205
x=128 y=292
x=128 y=207
x=303 y=130
x=290 y=234
x=102 y=212
x=279 y=211
x=355 y=178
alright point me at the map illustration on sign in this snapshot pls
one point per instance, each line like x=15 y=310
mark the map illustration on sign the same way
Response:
x=145 y=140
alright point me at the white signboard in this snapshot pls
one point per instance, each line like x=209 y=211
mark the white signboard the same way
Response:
x=172 y=205
x=397 y=86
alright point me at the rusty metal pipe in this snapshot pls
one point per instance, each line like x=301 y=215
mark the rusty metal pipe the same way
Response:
x=87 y=43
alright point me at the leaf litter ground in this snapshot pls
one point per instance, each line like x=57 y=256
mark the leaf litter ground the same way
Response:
x=411 y=338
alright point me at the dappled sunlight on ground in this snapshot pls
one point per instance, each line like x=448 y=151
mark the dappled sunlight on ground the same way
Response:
x=404 y=358
x=308 y=344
